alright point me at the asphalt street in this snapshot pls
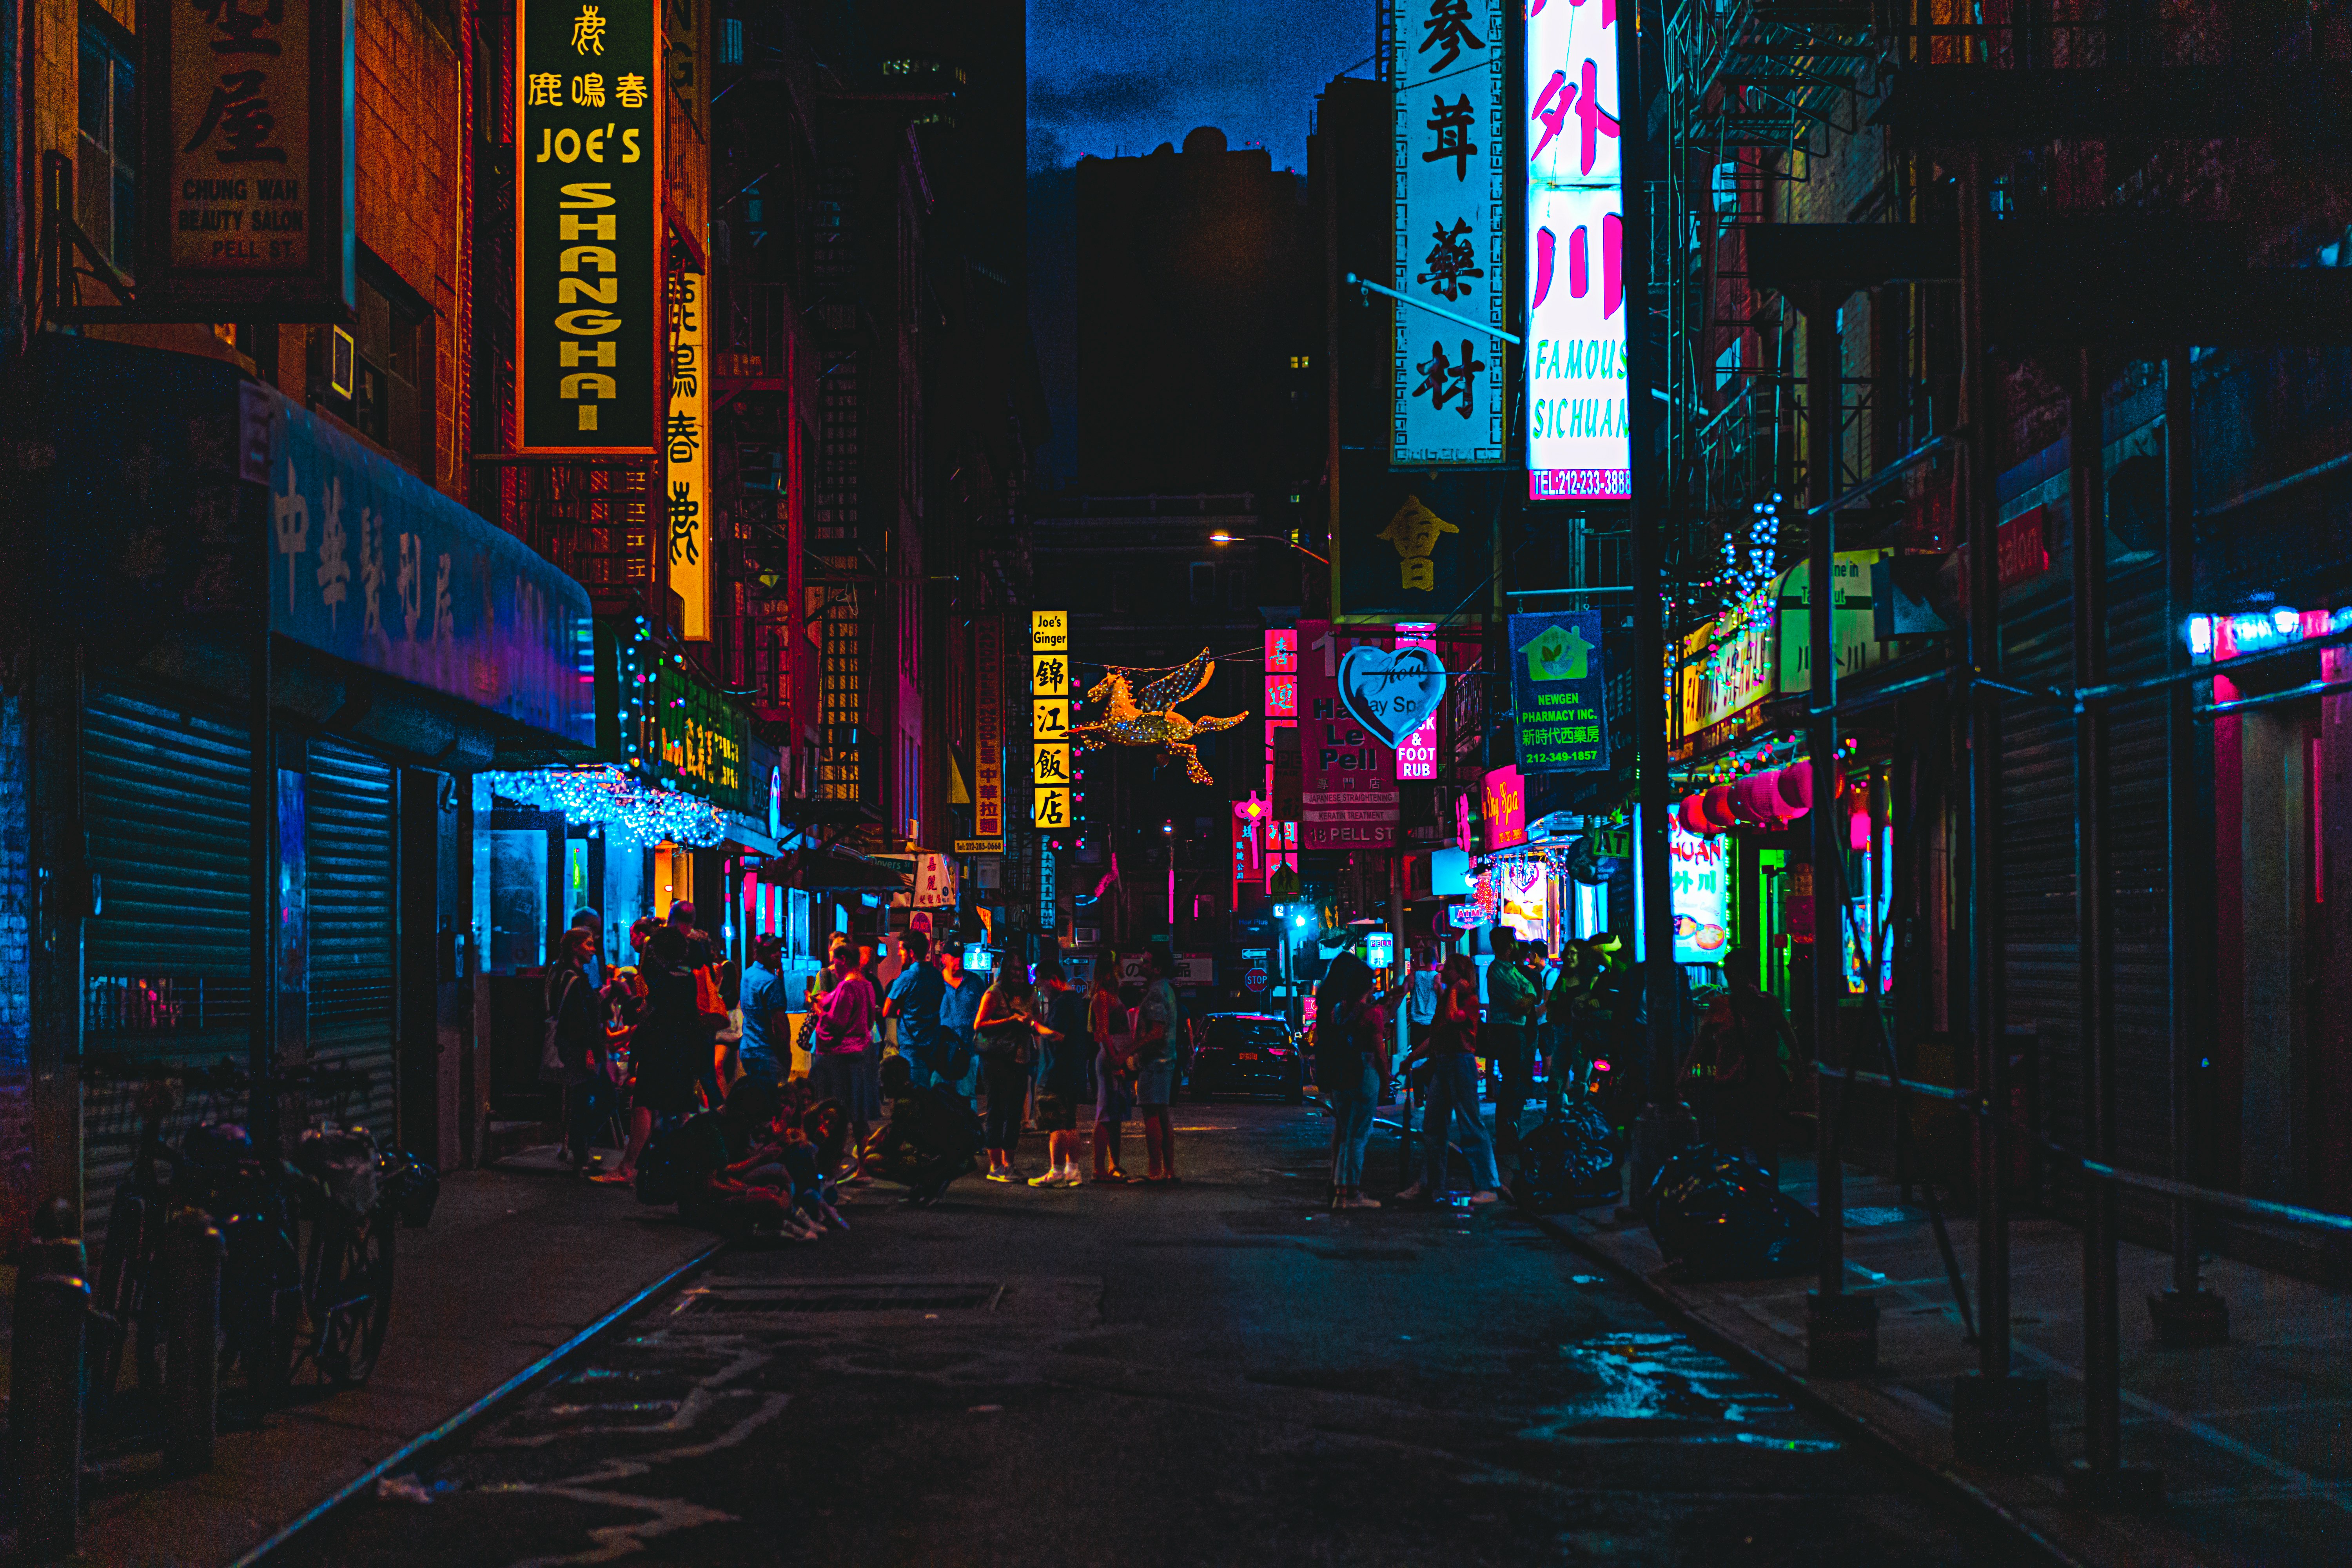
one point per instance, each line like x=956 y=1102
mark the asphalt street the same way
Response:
x=1217 y=1373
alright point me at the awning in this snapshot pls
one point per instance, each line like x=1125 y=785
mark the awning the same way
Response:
x=168 y=494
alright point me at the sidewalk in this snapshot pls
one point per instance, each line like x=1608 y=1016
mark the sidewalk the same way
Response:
x=2253 y=1437
x=519 y=1259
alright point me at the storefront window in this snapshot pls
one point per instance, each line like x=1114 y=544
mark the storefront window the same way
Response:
x=517 y=898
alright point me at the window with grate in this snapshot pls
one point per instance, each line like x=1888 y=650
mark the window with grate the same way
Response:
x=391 y=397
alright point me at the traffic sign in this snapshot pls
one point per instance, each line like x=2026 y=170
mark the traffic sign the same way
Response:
x=1254 y=979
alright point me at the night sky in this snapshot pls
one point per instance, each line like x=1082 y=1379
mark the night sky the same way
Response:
x=1106 y=79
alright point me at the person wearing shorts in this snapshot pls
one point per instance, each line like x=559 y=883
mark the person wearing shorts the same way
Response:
x=1155 y=1070
x=1062 y=1061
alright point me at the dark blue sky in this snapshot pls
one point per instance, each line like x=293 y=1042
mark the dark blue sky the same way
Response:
x=1112 y=77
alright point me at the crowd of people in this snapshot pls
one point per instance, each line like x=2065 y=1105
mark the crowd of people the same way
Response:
x=917 y=1072
x=1733 y=1074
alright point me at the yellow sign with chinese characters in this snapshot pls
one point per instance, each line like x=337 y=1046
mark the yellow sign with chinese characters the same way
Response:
x=1049 y=674
x=1051 y=764
x=1049 y=718
x=686 y=448
x=1052 y=807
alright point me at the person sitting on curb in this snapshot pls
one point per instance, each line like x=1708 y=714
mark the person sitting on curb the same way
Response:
x=930 y=1137
x=711 y=1195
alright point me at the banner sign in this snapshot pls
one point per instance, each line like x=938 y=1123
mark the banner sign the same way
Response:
x=1559 y=688
x=686 y=447
x=1575 y=358
x=1417 y=753
x=1349 y=789
x=1697 y=877
x=369 y=564
x=692 y=738
x=988 y=731
x=588 y=226
x=1049 y=696
x=249 y=201
x=1452 y=234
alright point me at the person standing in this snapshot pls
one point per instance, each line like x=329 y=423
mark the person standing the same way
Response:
x=958 y=1009
x=1109 y=1025
x=1064 y=1052
x=841 y=1046
x=766 y=1016
x=589 y=920
x=1511 y=1002
x=1453 y=1091
x=1158 y=1035
x=663 y=1046
x=1350 y=1061
x=1421 y=997
x=575 y=1024
x=916 y=993
x=1009 y=1032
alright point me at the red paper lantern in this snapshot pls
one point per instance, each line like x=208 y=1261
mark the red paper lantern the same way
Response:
x=1715 y=806
x=1687 y=814
x=1759 y=792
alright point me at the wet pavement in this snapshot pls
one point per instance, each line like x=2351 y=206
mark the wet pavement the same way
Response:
x=1218 y=1373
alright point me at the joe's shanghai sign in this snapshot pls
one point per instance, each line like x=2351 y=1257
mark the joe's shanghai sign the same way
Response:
x=253 y=138
x=587 y=226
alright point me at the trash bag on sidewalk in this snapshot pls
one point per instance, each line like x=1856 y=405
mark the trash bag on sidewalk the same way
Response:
x=1568 y=1161
x=1725 y=1219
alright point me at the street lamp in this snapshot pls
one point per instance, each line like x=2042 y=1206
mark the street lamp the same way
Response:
x=1276 y=537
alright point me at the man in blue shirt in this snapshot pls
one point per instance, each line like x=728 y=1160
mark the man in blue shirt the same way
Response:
x=958 y=1009
x=767 y=1015
x=914 y=1001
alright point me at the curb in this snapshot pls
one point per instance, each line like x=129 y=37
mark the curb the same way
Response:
x=408 y=1453
x=1801 y=1390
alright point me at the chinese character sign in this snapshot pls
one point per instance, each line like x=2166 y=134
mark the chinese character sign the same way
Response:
x=1575 y=359
x=1506 y=808
x=685 y=441
x=1559 y=682
x=1049 y=696
x=253 y=201
x=1448 y=405
x=1417 y=753
x=587 y=234
x=988 y=729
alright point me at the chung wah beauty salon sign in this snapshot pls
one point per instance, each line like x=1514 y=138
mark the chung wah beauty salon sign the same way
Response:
x=246 y=193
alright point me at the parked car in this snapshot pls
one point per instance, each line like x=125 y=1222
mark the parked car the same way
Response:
x=1247 y=1053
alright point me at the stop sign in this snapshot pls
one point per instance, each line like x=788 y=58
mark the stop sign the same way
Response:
x=1254 y=979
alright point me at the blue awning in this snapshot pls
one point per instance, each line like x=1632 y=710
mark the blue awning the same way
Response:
x=168 y=493
x=371 y=564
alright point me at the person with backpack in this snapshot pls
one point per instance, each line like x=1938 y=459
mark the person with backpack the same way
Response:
x=959 y=992
x=1009 y=1032
x=663 y=1044
x=1453 y=1055
x=931 y=1136
x=1350 y=1064
x=573 y=1051
x=713 y=1017
x=841 y=1045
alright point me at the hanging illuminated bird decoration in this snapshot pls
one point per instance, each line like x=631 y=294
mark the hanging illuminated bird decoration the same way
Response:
x=1146 y=715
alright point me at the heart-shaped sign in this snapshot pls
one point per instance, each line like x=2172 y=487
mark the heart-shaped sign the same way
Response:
x=1392 y=693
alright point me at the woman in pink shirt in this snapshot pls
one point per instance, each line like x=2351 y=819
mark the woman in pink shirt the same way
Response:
x=841 y=1046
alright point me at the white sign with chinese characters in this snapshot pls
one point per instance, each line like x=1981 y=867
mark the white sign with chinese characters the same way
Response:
x=1575 y=358
x=1450 y=225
